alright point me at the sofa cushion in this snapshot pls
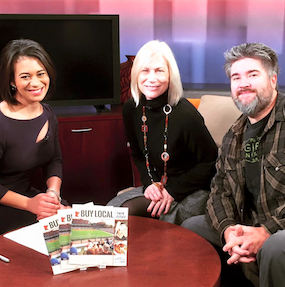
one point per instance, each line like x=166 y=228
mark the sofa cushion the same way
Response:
x=195 y=102
x=219 y=113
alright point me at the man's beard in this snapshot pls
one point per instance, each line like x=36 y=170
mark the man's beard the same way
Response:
x=260 y=102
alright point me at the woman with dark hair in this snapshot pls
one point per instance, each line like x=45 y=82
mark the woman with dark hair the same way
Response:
x=28 y=135
x=172 y=148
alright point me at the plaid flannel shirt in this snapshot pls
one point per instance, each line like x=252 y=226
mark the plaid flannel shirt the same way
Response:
x=225 y=206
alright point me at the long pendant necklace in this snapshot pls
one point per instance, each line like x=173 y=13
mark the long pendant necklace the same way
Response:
x=167 y=109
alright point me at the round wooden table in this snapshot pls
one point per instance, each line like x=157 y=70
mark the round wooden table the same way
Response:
x=159 y=254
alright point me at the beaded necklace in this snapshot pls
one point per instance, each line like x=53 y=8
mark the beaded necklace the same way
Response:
x=167 y=109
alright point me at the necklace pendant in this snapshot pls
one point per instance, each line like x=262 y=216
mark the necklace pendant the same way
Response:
x=144 y=118
x=167 y=109
x=165 y=156
x=164 y=180
x=144 y=128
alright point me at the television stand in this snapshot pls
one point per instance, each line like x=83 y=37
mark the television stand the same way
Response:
x=96 y=161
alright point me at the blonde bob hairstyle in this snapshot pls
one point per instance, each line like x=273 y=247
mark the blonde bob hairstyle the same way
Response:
x=146 y=53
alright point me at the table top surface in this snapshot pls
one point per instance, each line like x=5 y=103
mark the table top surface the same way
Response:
x=159 y=254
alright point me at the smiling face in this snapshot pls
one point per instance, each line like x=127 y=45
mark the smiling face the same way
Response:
x=253 y=91
x=153 y=80
x=31 y=80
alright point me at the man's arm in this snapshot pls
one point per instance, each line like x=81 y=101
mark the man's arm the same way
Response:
x=221 y=207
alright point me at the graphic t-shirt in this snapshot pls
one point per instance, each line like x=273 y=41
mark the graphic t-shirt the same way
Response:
x=252 y=160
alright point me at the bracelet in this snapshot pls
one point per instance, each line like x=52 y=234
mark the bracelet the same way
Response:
x=58 y=197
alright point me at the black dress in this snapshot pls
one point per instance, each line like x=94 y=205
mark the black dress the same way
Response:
x=21 y=156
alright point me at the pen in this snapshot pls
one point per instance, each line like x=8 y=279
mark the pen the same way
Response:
x=5 y=259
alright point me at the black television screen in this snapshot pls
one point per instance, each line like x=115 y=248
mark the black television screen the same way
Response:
x=84 y=49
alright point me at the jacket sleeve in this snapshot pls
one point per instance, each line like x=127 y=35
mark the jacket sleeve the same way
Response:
x=221 y=208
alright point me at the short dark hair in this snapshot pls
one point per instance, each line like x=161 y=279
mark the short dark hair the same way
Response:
x=10 y=54
x=267 y=56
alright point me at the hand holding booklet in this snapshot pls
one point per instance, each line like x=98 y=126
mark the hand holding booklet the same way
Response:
x=86 y=235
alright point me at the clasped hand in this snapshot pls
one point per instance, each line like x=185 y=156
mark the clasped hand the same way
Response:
x=160 y=200
x=243 y=242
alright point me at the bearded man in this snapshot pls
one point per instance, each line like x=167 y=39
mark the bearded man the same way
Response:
x=246 y=210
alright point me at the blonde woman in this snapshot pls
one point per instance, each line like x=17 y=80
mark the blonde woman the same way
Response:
x=171 y=146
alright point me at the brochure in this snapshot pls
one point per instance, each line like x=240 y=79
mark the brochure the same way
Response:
x=86 y=236
x=65 y=219
x=50 y=231
x=99 y=235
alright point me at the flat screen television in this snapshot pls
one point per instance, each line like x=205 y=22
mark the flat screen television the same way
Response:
x=84 y=49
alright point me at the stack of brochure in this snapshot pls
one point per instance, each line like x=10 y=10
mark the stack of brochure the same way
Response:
x=86 y=235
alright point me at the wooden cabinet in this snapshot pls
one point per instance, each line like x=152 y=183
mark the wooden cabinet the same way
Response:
x=96 y=162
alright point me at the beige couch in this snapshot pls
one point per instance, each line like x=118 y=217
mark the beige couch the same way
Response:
x=219 y=113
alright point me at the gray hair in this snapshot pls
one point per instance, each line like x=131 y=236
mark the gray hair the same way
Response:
x=258 y=51
x=144 y=55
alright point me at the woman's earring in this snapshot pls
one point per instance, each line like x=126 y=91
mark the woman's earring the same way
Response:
x=13 y=87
